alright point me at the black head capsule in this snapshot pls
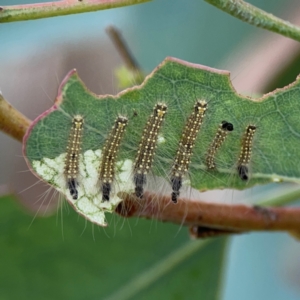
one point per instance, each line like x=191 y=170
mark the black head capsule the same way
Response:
x=106 y=189
x=227 y=126
x=243 y=172
x=139 y=181
x=176 y=183
x=72 y=186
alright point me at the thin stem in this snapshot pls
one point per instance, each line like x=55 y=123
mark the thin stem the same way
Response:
x=281 y=200
x=130 y=63
x=122 y=48
x=52 y=9
x=12 y=122
x=255 y=16
x=197 y=213
x=158 y=270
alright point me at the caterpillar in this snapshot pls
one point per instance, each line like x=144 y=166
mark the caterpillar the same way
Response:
x=72 y=155
x=109 y=155
x=145 y=154
x=185 y=148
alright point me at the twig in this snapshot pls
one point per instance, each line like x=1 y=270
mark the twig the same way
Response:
x=122 y=48
x=235 y=218
x=255 y=16
x=130 y=63
x=12 y=122
x=52 y=9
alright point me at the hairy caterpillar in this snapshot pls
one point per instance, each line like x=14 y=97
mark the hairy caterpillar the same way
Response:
x=185 y=148
x=109 y=156
x=72 y=157
x=146 y=151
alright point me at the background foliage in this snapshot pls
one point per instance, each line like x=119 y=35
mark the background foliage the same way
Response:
x=36 y=259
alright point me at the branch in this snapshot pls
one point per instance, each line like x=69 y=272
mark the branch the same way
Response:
x=52 y=9
x=12 y=122
x=255 y=16
x=222 y=217
x=133 y=74
x=122 y=48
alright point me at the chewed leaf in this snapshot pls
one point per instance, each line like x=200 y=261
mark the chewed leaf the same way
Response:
x=185 y=123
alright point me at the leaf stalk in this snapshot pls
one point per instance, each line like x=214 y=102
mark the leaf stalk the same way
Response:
x=215 y=215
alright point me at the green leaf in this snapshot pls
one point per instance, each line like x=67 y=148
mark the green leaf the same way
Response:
x=178 y=84
x=47 y=259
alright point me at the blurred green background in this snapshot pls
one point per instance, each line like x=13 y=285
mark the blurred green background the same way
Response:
x=64 y=257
